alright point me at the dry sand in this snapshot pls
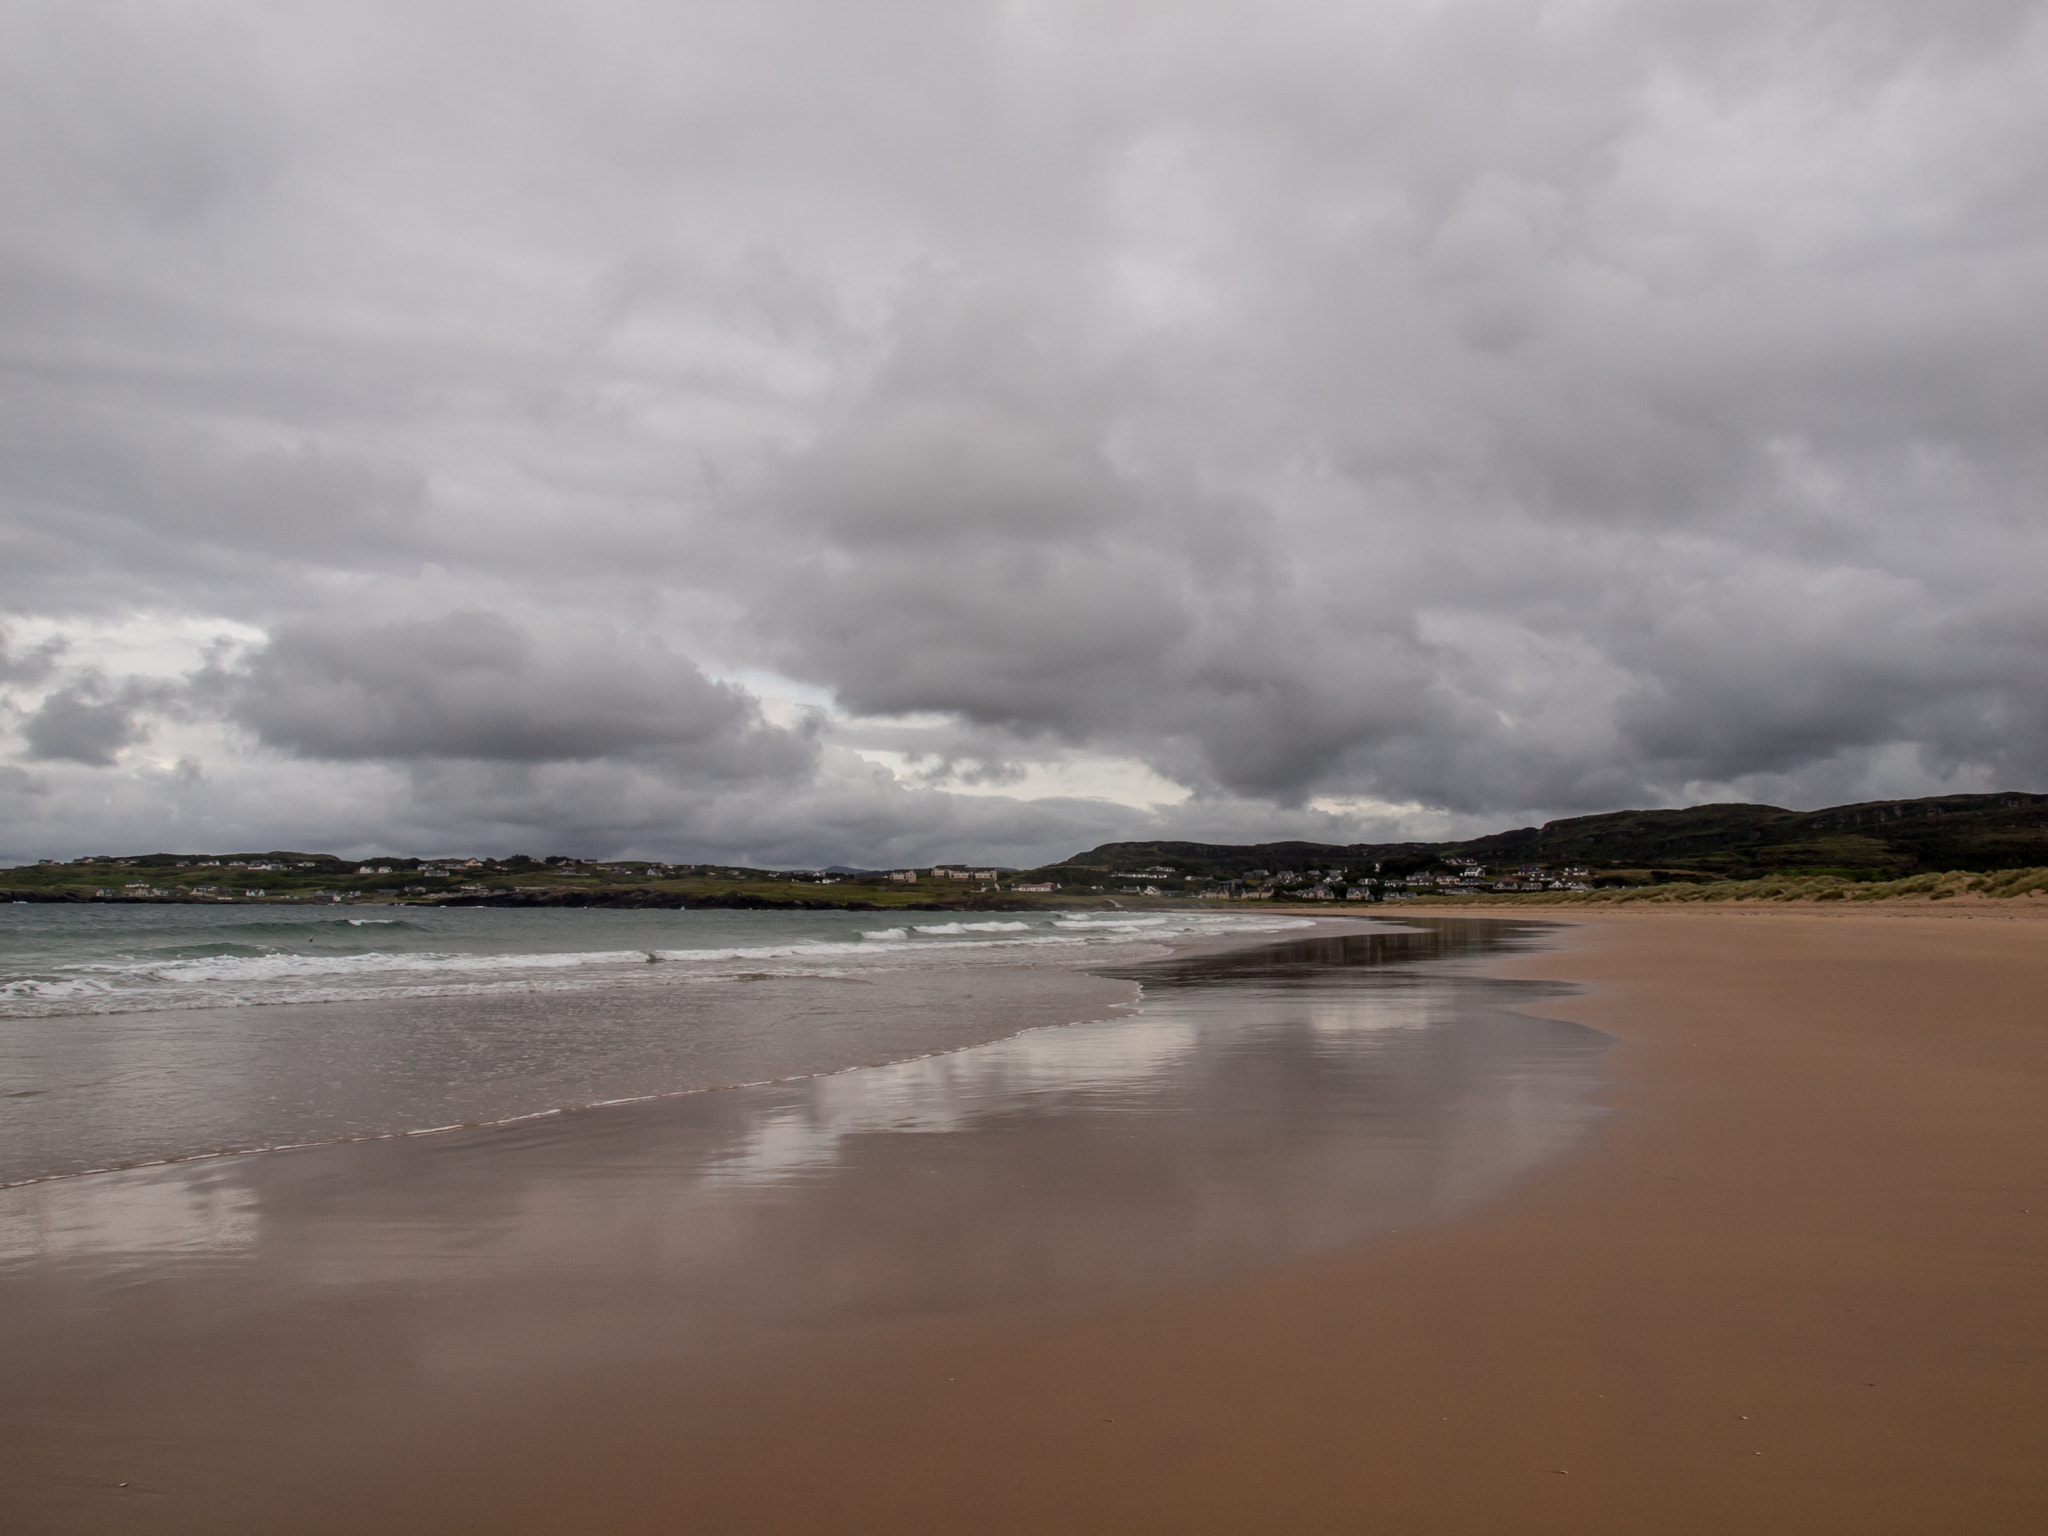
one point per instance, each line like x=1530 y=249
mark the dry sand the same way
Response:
x=1798 y=1283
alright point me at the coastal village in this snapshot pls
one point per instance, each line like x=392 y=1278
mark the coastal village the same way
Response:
x=325 y=878
x=1950 y=845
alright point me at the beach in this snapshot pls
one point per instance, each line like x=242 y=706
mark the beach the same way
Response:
x=1795 y=1286
x=1788 y=1277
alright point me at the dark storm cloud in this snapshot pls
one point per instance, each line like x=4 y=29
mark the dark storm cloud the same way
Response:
x=1599 y=492
x=29 y=666
x=90 y=721
x=475 y=685
x=1477 y=409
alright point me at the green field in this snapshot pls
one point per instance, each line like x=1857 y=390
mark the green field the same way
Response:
x=285 y=876
x=1856 y=850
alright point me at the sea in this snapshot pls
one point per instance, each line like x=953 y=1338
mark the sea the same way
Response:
x=716 y=1125
x=132 y=1034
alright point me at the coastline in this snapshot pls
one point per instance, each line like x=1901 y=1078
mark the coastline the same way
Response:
x=1789 y=1287
x=427 y=1047
x=1791 y=1284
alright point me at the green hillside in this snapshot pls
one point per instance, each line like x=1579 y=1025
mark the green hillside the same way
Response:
x=1885 y=839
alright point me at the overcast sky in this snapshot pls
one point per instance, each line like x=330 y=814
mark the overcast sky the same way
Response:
x=800 y=432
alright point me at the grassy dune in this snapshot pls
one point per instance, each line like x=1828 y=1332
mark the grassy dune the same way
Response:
x=1998 y=884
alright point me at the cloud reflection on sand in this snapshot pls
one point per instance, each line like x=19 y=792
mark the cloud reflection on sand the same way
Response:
x=947 y=1094
x=1260 y=1106
x=137 y=1215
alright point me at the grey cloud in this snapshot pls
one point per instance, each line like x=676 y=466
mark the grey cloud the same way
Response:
x=476 y=685
x=32 y=666
x=163 y=110
x=88 y=721
x=1531 y=406
x=849 y=813
x=1484 y=408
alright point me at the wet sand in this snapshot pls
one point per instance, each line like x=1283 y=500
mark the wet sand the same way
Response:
x=272 y=1341
x=1795 y=1283
x=1798 y=1285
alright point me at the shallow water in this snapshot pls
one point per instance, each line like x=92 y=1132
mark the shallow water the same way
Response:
x=85 y=960
x=1258 y=1104
x=141 y=1034
x=191 y=1329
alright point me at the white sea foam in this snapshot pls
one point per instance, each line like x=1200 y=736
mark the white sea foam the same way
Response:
x=294 y=969
x=46 y=987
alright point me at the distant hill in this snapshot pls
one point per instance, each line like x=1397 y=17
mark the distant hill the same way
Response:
x=1879 y=839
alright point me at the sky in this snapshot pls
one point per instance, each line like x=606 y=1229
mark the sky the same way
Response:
x=803 y=433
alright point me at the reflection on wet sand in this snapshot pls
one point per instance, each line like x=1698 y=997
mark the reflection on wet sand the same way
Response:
x=1262 y=1105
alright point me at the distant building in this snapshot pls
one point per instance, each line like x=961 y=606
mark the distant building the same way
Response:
x=1035 y=885
x=903 y=876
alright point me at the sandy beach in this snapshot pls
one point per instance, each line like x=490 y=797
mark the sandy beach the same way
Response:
x=1793 y=1283
x=1797 y=1286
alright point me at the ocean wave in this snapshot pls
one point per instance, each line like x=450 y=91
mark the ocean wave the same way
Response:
x=308 y=925
x=282 y=966
x=217 y=974
x=178 y=952
x=53 y=987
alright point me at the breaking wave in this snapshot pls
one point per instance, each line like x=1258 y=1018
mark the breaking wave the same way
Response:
x=118 y=964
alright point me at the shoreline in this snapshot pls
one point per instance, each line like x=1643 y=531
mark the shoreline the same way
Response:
x=994 y=1000
x=1756 y=1301
x=219 y=1344
x=1790 y=1284
x=1806 y=1188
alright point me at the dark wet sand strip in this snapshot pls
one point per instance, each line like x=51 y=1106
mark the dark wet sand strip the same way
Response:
x=1795 y=1285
